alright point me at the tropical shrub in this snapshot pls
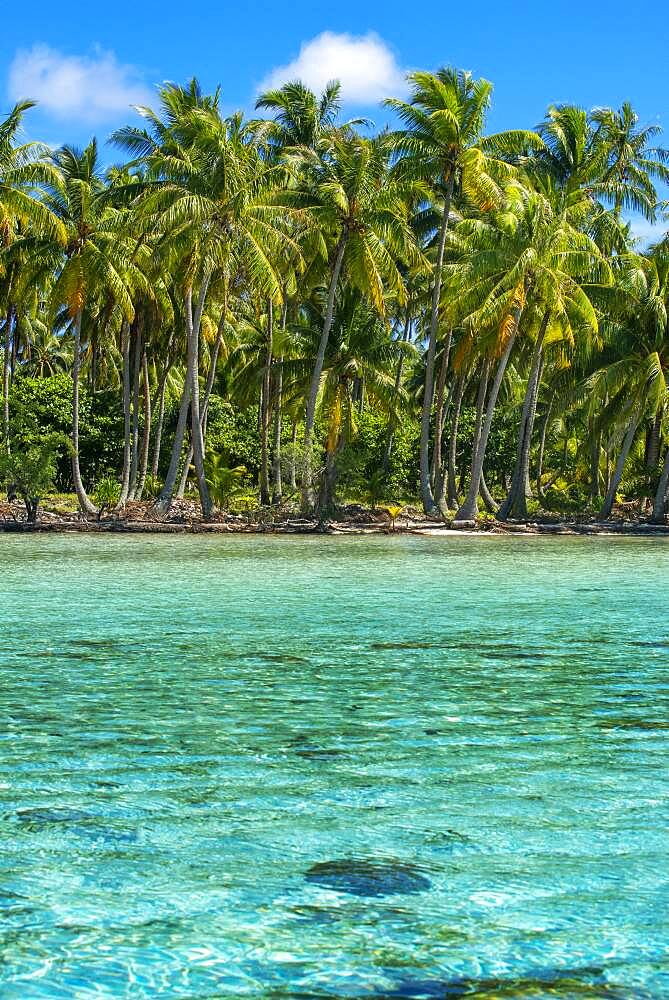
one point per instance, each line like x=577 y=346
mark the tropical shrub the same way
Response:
x=43 y=406
x=224 y=481
x=106 y=494
x=30 y=472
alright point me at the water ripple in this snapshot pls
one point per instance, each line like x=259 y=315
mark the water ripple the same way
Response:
x=334 y=767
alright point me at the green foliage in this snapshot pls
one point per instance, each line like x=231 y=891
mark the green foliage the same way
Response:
x=234 y=433
x=224 y=482
x=106 y=494
x=539 y=274
x=485 y=517
x=292 y=457
x=43 y=406
x=566 y=498
x=361 y=461
x=501 y=450
x=376 y=487
x=152 y=487
x=31 y=471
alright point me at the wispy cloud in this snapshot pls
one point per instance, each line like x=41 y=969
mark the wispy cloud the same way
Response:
x=647 y=232
x=92 y=87
x=364 y=64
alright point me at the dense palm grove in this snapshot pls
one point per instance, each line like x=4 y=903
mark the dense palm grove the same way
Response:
x=294 y=306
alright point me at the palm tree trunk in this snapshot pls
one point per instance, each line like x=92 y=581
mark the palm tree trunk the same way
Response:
x=480 y=411
x=6 y=369
x=425 y=486
x=293 y=458
x=146 y=438
x=487 y=497
x=595 y=455
x=516 y=500
x=468 y=509
x=660 y=504
x=310 y=419
x=327 y=486
x=193 y=322
x=94 y=362
x=15 y=351
x=134 y=455
x=188 y=461
x=607 y=470
x=396 y=391
x=542 y=448
x=329 y=482
x=277 y=485
x=452 y=491
x=125 y=478
x=84 y=502
x=481 y=397
x=164 y=501
x=265 y=411
x=525 y=474
x=211 y=375
x=436 y=471
x=609 y=499
x=440 y=485
x=653 y=451
x=160 y=419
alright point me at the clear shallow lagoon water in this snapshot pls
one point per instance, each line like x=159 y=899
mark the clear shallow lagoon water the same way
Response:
x=334 y=767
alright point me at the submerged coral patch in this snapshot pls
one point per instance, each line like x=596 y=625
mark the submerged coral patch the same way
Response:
x=362 y=877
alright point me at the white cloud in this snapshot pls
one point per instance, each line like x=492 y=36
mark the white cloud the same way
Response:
x=364 y=64
x=91 y=87
x=647 y=232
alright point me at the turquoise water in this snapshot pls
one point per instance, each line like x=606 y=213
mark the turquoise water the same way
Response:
x=334 y=767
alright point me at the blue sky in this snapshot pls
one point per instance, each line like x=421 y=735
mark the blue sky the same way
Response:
x=87 y=62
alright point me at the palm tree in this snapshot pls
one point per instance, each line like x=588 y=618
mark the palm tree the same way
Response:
x=209 y=193
x=46 y=353
x=300 y=117
x=289 y=265
x=442 y=143
x=364 y=212
x=301 y=120
x=97 y=256
x=595 y=158
x=575 y=270
x=589 y=160
x=525 y=260
x=633 y=384
x=251 y=366
x=572 y=156
x=24 y=168
x=631 y=163
x=360 y=353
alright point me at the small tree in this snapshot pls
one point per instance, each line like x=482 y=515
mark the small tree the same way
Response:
x=31 y=472
x=394 y=510
x=375 y=488
x=224 y=482
x=106 y=495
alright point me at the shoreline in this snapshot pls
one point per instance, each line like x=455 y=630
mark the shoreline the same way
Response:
x=424 y=528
